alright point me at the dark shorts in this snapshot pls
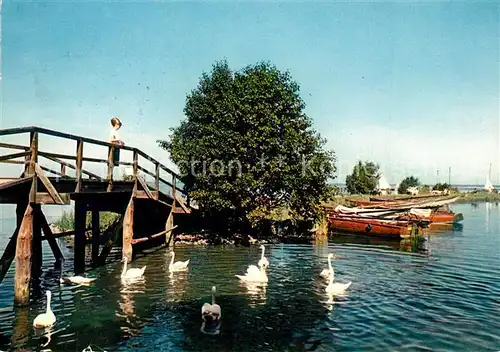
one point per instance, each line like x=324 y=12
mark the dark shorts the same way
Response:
x=116 y=156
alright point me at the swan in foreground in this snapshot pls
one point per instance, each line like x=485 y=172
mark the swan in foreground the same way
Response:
x=45 y=319
x=254 y=274
x=177 y=266
x=211 y=313
x=77 y=279
x=132 y=273
x=327 y=273
x=336 y=288
x=263 y=262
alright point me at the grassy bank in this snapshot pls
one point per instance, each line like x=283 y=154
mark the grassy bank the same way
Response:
x=67 y=221
x=477 y=197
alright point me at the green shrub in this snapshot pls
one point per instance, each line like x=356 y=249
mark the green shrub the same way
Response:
x=67 y=220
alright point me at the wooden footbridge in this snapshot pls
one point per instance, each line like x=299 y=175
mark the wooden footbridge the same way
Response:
x=147 y=208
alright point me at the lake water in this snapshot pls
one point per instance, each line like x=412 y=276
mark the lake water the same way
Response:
x=444 y=297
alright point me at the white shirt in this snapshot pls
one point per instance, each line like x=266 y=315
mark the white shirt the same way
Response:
x=113 y=135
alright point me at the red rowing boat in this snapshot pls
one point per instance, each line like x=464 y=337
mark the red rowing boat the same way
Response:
x=371 y=226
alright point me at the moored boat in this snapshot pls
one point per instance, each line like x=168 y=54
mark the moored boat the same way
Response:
x=373 y=226
x=440 y=216
x=437 y=212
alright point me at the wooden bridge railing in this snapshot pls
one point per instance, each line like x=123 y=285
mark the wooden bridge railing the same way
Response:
x=32 y=153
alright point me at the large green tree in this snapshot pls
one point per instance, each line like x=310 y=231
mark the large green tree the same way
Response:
x=410 y=181
x=364 y=178
x=247 y=147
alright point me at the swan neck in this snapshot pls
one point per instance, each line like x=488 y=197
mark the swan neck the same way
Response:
x=262 y=256
x=172 y=260
x=48 y=303
x=124 y=268
x=213 y=298
x=330 y=264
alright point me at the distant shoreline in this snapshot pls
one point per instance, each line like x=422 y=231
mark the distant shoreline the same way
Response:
x=463 y=197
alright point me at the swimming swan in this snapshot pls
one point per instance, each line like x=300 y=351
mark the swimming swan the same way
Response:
x=327 y=273
x=211 y=313
x=79 y=280
x=45 y=319
x=177 y=266
x=132 y=273
x=263 y=262
x=336 y=288
x=254 y=274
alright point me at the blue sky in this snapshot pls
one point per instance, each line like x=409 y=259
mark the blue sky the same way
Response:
x=413 y=86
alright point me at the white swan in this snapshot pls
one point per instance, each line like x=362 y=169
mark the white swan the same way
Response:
x=211 y=313
x=327 y=273
x=45 y=319
x=132 y=273
x=79 y=280
x=336 y=288
x=177 y=266
x=254 y=274
x=263 y=262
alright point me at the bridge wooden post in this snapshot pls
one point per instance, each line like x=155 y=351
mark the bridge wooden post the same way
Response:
x=157 y=181
x=174 y=190
x=135 y=169
x=32 y=164
x=80 y=224
x=24 y=243
x=128 y=231
x=96 y=231
x=111 y=165
x=169 y=226
x=79 y=163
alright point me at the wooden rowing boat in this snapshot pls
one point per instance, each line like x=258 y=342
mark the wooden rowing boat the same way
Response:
x=437 y=217
x=372 y=226
x=436 y=212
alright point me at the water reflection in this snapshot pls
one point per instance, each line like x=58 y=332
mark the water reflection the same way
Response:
x=404 y=245
x=488 y=207
x=21 y=328
x=44 y=335
x=178 y=283
x=211 y=329
x=126 y=310
x=256 y=292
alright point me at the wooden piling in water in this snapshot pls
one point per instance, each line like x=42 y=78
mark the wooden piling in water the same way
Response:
x=23 y=259
x=96 y=231
x=49 y=236
x=37 y=255
x=79 y=249
x=169 y=227
x=128 y=231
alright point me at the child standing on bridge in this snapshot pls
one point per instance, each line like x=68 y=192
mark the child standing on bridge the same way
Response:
x=114 y=138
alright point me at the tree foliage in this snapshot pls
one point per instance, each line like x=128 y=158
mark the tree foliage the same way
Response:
x=247 y=147
x=410 y=181
x=441 y=187
x=364 y=178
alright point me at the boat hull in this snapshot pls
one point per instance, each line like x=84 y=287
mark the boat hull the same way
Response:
x=370 y=227
x=445 y=218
